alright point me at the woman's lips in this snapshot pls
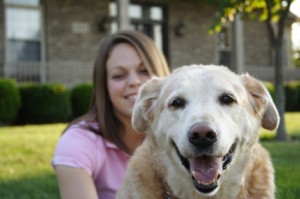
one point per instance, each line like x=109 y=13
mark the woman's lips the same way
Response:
x=132 y=98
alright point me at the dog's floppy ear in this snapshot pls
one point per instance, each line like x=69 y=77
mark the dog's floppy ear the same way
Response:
x=262 y=102
x=145 y=104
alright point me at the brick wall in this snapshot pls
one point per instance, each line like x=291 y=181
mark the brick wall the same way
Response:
x=72 y=37
x=257 y=46
x=196 y=46
x=68 y=49
x=63 y=40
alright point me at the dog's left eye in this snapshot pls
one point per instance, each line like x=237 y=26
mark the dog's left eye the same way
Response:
x=227 y=99
x=178 y=103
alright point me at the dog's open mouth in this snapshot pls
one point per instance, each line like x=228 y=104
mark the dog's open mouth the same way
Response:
x=206 y=170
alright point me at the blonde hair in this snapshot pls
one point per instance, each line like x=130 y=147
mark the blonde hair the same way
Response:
x=101 y=111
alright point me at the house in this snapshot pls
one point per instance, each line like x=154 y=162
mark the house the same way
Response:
x=57 y=40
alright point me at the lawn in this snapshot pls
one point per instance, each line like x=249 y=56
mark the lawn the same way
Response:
x=26 y=151
x=25 y=155
x=286 y=160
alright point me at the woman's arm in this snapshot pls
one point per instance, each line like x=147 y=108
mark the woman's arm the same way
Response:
x=75 y=183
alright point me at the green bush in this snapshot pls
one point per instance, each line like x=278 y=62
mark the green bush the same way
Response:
x=44 y=103
x=271 y=88
x=9 y=100
x=292 y=96
x=81 y=96
x=298 y=98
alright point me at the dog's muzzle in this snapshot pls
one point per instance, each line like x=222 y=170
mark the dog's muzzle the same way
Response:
x=205 y=169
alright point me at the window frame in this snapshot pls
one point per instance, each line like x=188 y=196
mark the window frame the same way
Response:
x=144 y=21
x=41 y=39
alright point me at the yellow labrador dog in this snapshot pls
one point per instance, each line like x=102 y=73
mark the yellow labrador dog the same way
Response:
x=202 y=127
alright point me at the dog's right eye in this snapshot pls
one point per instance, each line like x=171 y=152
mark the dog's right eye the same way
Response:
x=178 y=103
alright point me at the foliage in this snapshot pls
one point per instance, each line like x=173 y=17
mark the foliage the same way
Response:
x=292 y=95
x=296 y=58
x=44 y=103
x=271 y=89
x=81 y=95
x=10 y=101
x=263 y=10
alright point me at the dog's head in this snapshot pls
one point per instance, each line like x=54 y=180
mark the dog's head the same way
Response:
x=200 y=115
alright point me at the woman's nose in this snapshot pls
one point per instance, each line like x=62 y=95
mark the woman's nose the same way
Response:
x=134 y=79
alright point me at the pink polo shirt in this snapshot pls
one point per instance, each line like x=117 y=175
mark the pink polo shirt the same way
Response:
x=101 y=159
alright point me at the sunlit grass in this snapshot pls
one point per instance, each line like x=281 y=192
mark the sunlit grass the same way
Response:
x=286 y=157
x=286 y=160
x=25 y=169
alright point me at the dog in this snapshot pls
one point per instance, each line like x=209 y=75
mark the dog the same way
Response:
x=202 y=141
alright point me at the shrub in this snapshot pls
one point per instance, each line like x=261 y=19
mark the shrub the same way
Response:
x=298 y=98
x=9 y=100
x=81 y=98
x=44 y=103
x=292 y=96
x=271 y=89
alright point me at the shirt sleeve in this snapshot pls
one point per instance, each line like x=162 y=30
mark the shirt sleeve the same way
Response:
x=81 y=149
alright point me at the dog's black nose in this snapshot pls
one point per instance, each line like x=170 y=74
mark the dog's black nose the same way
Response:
x=201 y=135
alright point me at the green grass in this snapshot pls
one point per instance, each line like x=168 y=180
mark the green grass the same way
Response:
x=25 y=161
x=286 y=160
x=26 y=152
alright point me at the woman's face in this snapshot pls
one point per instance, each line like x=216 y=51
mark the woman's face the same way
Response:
x=125 y=74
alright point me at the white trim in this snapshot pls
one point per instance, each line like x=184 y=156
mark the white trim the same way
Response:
x=43 y=72
x=41 y=40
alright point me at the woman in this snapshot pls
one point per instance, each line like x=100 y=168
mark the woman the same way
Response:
x=91 y=156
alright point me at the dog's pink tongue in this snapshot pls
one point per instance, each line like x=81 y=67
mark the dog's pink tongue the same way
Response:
x=205 y=169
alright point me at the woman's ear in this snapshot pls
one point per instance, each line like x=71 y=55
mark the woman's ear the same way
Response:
x=145 y=105
x=262 y=103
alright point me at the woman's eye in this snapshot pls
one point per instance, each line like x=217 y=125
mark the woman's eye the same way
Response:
x=144 y=72
x=118 y=76
x=178 y=103
x=227 y=99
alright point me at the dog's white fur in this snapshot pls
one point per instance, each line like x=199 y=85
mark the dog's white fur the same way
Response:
x=156 y=169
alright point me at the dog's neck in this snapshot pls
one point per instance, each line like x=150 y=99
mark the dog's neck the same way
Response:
x=168 y=191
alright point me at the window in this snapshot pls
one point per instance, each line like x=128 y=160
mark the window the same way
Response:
x=150 y=19
x=23 y=30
